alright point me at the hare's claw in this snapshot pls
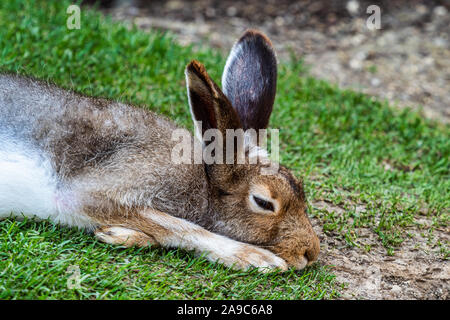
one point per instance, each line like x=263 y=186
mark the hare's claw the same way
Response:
x=262 y=259
x=248 y=256
x=123 y=236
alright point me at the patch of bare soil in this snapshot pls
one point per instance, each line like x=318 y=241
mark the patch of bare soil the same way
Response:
x=407 y=61
x=415 y=271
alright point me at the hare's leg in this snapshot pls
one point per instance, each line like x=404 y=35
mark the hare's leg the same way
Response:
x=124 y=236
x=170 y=231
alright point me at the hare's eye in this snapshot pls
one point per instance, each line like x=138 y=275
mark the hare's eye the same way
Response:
x=264 y=204
x=223 y=193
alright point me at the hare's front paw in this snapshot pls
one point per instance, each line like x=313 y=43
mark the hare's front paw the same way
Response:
x=123 y=236
x=248 y=256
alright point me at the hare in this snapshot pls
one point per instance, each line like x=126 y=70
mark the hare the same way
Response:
x=106 y=167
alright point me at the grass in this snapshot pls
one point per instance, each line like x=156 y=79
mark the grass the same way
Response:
x=352 y=151
x=35 y=260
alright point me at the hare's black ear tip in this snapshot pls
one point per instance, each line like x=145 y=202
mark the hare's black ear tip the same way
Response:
x=255 y=35
x=195 y=67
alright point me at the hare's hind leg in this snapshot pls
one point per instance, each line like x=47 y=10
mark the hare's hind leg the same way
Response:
x=124 y=236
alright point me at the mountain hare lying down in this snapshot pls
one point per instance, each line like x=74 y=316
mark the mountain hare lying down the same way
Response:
x=106 y=166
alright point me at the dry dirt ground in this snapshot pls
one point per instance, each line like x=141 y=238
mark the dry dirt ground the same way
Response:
x=415 y=271
x=407 y=62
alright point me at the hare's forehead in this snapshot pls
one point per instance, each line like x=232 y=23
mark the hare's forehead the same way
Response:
x=294 y=184
x=280 y=185
x=261 y=189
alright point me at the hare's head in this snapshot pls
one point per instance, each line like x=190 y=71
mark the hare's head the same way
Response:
x=252 y=199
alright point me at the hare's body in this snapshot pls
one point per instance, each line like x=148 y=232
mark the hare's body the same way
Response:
x=80 y=147
x=108 y=167
x=87 y=146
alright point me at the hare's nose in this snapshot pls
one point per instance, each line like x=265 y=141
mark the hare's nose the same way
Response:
x=313 y=251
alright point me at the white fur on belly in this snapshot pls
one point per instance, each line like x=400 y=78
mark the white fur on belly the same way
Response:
x=28 y=187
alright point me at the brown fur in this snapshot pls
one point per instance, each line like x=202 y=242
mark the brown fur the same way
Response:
x=115 y=159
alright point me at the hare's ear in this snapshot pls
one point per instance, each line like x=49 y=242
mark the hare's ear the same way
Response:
x=249 y=79
x=210 y=108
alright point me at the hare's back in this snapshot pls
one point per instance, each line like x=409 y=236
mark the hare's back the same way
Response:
x=77 y=131
x=52 y=139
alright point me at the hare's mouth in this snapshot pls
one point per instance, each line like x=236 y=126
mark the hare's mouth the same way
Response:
x=302 y=263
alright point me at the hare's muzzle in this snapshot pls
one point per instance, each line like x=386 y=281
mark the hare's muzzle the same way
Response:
x=300 y=248
x=308 y=257
x=312 y=253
